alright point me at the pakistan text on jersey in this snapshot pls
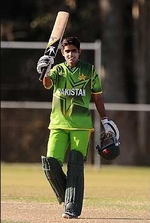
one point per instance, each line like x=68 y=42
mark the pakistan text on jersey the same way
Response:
x=72 y=92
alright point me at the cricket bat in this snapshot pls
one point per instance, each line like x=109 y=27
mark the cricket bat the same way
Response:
x=55 y=37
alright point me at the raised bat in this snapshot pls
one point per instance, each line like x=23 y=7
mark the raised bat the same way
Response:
x=55 y=37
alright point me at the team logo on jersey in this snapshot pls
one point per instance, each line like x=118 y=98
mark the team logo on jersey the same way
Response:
x=82 y=77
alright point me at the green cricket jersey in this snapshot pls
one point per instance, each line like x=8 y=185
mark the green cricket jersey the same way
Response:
x=72 y=94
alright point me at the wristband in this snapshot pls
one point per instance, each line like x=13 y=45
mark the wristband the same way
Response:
x=104 y=121
x=105 y=117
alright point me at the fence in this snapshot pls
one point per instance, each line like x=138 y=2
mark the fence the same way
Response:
x=24 y=132
x=96 y=46
x=23 y=123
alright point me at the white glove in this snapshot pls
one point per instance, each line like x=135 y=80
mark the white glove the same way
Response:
x=44 y=62
x=110 y=127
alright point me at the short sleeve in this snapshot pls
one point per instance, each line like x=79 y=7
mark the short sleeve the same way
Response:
x=53 y=74
x=96 y=87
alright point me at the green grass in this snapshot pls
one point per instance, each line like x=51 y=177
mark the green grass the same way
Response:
x=115 y=186
x=118 y=186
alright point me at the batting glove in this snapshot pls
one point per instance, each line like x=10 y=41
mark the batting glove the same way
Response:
x=110 y=127
x=44 y=62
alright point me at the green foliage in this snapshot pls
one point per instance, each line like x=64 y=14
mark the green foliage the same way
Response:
x=33 y=21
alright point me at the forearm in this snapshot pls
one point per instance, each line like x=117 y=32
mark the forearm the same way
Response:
x=99 y=105
x=47 y=82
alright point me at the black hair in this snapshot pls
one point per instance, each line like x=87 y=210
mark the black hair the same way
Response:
x=71 y=41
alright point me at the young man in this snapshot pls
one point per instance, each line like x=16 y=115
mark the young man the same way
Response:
x=73 y=82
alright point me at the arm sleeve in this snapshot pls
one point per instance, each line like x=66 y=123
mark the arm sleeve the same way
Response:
x=53 y=74
x=96 y=83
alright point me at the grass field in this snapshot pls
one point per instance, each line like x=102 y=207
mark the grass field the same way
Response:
x=113 y=194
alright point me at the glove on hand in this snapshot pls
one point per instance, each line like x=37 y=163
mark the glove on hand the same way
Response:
x=110 y=127
x=44 y=62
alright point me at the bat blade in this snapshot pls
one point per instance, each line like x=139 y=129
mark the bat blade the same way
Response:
x=55 y=37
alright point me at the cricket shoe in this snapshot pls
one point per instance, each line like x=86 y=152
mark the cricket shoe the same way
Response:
x=69 y=215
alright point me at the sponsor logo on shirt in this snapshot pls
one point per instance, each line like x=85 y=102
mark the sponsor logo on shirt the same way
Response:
x=72 y=92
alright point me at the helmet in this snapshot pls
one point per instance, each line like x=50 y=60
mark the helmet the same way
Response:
x=109 y=146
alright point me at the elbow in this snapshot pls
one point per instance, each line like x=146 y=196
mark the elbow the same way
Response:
x=46 y=87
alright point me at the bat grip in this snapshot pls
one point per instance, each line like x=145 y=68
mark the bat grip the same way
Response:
x=42 y=74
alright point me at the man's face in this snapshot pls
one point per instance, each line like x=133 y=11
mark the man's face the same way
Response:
x=71 y=55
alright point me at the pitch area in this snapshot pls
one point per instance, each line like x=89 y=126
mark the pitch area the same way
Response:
x=113 y=194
